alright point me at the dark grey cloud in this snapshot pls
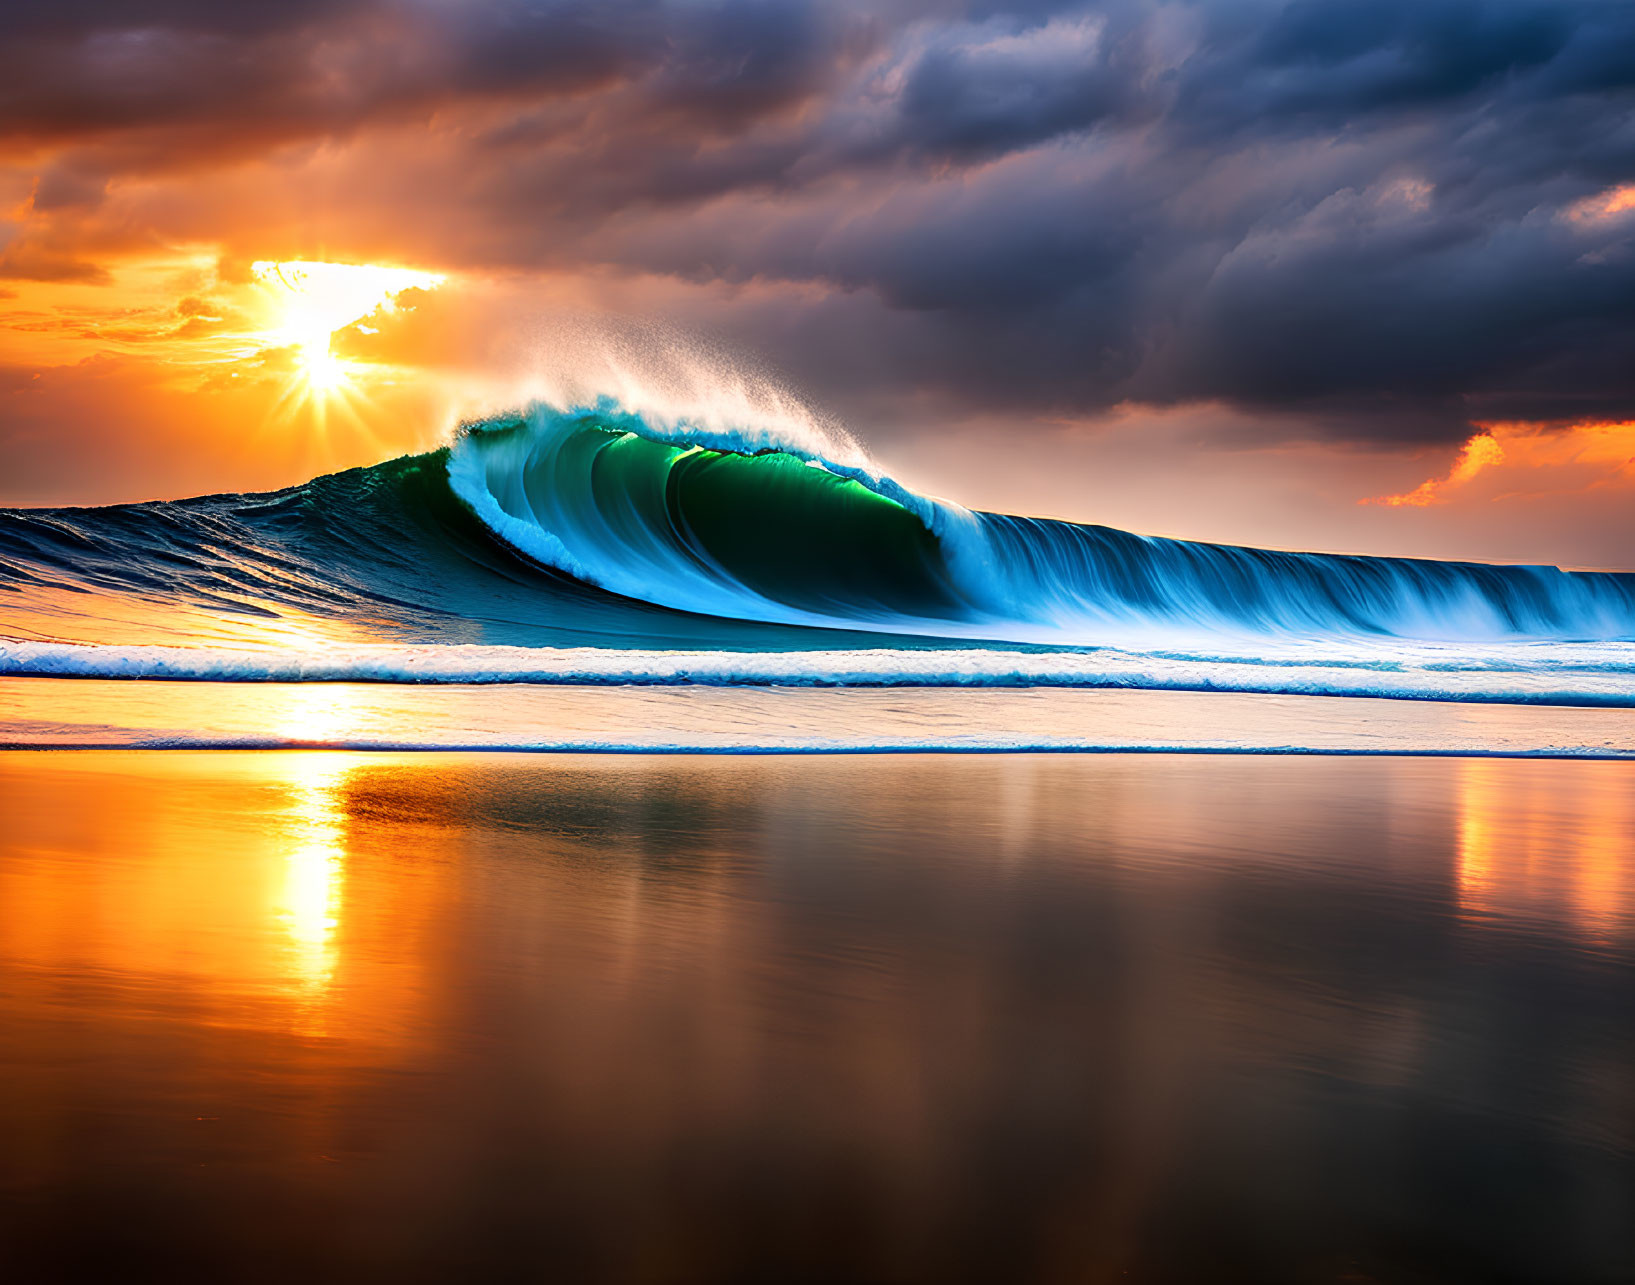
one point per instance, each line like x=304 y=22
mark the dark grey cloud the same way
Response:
x=982 y=89
x=1331 y=63
x=1370 y=210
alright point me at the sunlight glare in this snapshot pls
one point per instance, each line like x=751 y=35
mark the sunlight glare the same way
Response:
x=314 y=300
x=322 y=368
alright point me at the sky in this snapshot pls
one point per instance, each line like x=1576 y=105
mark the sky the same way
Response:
x=1348 y=274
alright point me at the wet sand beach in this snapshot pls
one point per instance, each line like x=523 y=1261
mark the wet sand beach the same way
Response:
x=342 y=1016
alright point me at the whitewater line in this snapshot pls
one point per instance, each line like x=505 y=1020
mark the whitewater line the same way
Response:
x=1577 y=674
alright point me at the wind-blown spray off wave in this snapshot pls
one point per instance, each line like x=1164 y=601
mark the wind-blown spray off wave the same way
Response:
x=599 y=530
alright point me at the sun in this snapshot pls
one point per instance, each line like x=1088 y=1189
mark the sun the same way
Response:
x=313 y=300
x=322 y=369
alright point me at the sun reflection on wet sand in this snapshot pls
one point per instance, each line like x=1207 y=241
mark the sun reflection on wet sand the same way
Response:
x=215 y=885
x=320 y=713
x=1542 y=845
x=309 y=902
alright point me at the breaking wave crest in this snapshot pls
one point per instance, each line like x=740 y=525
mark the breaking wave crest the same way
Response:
x=723 y=525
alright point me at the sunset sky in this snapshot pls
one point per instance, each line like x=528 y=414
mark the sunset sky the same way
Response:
x=1349 y=274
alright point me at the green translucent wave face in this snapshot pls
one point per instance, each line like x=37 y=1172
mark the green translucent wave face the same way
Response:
x=784 y=529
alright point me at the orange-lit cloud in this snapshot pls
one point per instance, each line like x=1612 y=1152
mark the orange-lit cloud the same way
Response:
x=187 y=372
x=195 y=325
x=1524 y=458
x=1605 y=205
x=186 y=309
x=1479 y=452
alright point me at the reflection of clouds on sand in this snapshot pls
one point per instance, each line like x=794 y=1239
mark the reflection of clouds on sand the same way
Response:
x=358 y=1003
x=1527 y=852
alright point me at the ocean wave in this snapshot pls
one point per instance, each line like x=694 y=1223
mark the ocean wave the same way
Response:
x=565 y=532
x=716 y=524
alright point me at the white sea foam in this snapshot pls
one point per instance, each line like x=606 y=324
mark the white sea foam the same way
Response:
x=1553 y=674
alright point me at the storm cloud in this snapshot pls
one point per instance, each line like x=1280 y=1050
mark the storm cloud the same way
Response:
x=1389 y=217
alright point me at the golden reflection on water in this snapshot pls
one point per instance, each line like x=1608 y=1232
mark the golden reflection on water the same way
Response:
x=1540 y=844
x=218 y=885
x=309 y=903
x=316 y=713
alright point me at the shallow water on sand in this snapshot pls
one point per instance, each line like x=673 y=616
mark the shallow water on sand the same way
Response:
x=150 y=714
x=350 y=1016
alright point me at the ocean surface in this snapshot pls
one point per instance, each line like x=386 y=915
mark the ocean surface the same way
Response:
x=329 y=1016
x=597 y=547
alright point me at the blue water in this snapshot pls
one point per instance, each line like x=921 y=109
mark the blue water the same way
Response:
x=596 y=546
